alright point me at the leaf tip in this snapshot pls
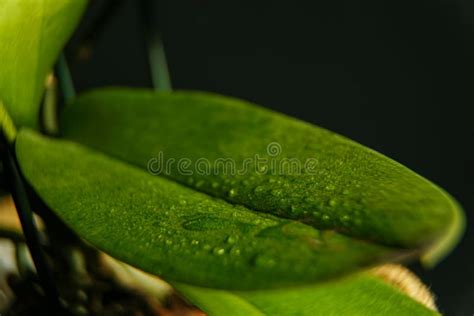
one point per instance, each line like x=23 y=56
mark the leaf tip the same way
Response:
x=441 y=247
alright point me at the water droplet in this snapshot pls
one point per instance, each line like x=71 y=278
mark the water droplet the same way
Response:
x=231 y=239
x=264 y=261
x=330 y=187
x=262 y=168
x=218 y=251
x=276 y=192
x=259 y=189
x=206 y=223
x=199 y=184
x=232 y=192
x=235 y=251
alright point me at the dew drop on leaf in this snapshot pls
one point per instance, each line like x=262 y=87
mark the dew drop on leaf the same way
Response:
x=276 y=192
x=330 y=187
x=235 y=251
x=199 y=184
x=218 y=251
x=231 y=239
x=264 y=261
x=259 y=189
x=232 y=192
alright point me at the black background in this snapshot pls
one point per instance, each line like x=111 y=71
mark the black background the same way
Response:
x=396 y=76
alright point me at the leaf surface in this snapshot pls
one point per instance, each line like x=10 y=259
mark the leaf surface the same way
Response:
x=167 y=229
x=32 y=33
x=346 y=187
x=358 y=294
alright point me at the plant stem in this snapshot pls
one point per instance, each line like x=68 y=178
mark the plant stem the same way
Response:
x=65 y=80
x=28 y=224
x=156 y=51
x=49 y=113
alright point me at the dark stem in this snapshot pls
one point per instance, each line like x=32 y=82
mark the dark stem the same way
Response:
x=66 y=84
x=25 y=213
x=156 y=51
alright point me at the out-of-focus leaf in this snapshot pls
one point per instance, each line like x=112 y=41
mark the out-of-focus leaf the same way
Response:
x=178 y=233
x=359 y=294
x=32 y=33
x=337 y=184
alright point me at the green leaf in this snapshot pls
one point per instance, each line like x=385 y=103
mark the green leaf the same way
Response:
x=32 y=33
x=180 y=234
x=347 y=187
x=358 y=294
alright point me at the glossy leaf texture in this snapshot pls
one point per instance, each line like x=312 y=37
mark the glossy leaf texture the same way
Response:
x=167 y=229
x=32 y=33
x=358 y=294
x=345 y=187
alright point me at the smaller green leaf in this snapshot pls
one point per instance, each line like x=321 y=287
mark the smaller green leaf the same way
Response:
x=32 y=33
x=358 y=294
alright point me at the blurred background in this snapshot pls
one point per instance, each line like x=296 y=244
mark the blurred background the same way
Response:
x=397 y=76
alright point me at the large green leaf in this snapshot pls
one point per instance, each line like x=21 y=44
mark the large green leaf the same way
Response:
x=32 y=33
x=178 y=233
x=359 y=294
x=346 y=187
